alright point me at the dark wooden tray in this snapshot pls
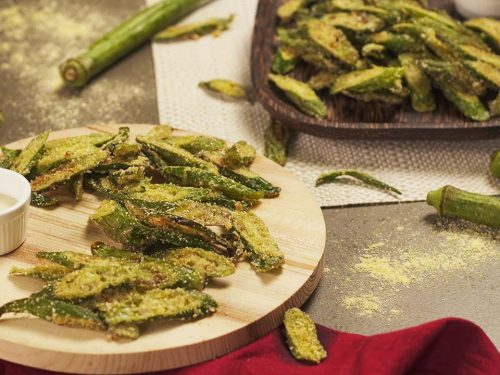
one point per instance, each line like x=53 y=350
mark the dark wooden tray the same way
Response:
x=352 y=119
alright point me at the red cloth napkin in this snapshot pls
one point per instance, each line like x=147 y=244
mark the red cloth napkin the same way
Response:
x=442 y=347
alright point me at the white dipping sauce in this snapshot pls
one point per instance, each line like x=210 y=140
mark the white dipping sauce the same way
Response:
x=6 y=202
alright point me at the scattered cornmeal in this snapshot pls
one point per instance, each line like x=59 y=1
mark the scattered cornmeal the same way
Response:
x=302 y=337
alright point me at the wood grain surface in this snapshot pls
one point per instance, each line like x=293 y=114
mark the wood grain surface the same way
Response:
x=348 y=118
x=250 y=304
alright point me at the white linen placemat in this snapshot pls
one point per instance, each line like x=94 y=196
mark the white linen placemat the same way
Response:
x=415 y=167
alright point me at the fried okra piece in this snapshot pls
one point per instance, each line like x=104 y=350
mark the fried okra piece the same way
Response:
x=55 y=156
x=94 y=139
x=225 y=89
x=103 y=250
x=355 y=21
x=322 y=80
x=106 y=274
x=277 y=139
x=260 y=247
x=302 y=337
x=485 y=71
x=155 y=304
x=284 y=60
x=40 y=200
x=369 y=180
x=487 y=27
x=68 y=170
x=480 y=54
x=288 y=9
x=197 y=177
x=397 y=43
x=27 y=158
x=362 y=81
x=119 y=225
x=301 y=95
x=422 y=97
x=197 y=143
x=379 y=96
x=214 y=26
x=333 y=41
x=47 y=272
x=240 y=154
x=56 y=311
x=159 y=132
x=69 y=259
x=203 y=261
x=8 y=157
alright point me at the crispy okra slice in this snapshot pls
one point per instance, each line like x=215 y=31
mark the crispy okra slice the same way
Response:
x=94 y=139
x=197 y=177
x=322 y=80
x=128 y=176
x=252 y=180
x=456 y=92
x=8 y=157
x=197 y=143
x=277 y=139
x=159 y=132
x=106 y=274
x=182 y=225
x=225 y=89
x=485 y=71
x=55 y=156
x=355 y=21
x=47 y=272
x=302 y=337
x=333 y=41
x=55 y=311
x=206 y=214
x=118 y=139
x=119 y=225
x=379 y=96
x=362 y=81
x=27 y=158
x=301 y=95
x=103 y=250
x=203 y=261
x=369 y=180
x=422 y=97
x=494 y=106
x=284 y=60
x=155 y=304
x=240 y=154
x=374 y=51
x=69 y=259
x=174 y=155
x=288 y=9
x=214 y=26
x=124 y=331
x=397 y=43
x=489 y=28
x=480 y=54
x=260 y=248
x=40 y=200
x=360 y=6
x=68 y=170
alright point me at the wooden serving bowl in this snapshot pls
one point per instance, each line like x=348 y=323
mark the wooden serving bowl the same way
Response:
x=349 y=118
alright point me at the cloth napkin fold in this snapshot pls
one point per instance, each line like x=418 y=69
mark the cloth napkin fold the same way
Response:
x=448 y=346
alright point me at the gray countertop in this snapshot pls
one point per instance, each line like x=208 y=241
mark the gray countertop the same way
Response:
x=387 y=266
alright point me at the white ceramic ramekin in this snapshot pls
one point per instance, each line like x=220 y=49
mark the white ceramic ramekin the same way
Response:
x=14 y=220
x=478 y=8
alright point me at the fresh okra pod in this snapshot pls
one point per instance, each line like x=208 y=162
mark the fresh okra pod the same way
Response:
x=372 y=181
x=214 y=26
x=302 y=337
x=478 y=208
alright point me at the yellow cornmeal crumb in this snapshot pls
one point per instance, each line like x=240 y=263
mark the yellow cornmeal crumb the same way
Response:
x=395 y=311
x=366 y=304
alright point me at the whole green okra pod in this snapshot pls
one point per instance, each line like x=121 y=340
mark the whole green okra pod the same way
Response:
x=478 y=208
x=333 y=175
x=126 y=37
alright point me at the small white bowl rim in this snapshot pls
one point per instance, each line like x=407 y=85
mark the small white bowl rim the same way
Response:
x=26 y=197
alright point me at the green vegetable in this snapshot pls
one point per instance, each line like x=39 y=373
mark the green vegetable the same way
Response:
x=126 y=37
x=172 y=304
x=375 y=96
x=487 y=72
x=40 y=200
x=322 y=80
x=481 y=55
x=334 y=175
x=357 y=22
x=8 y=157
x=478 y=208
x=488 y=27
x=495 y=164
x=94 y=139
x=240 y=154
x=214 y=26
x=197 y=143
x=225 y=89
x=284 y=60
x=362 y=81
x=397 y=43
x=277 y=139
x=68 y=259
x=302 y=337
x=190 y=176
x=28 y=157
x=301 y=95
x=46 y=272
x=422 y=98
x=287 y=10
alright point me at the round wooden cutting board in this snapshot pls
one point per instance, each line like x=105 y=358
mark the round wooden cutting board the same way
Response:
x=250 y=304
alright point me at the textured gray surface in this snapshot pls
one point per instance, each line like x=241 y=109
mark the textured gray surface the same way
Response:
x=453 y=268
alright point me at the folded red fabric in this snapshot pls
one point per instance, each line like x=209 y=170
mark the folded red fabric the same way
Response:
x=442 y=347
